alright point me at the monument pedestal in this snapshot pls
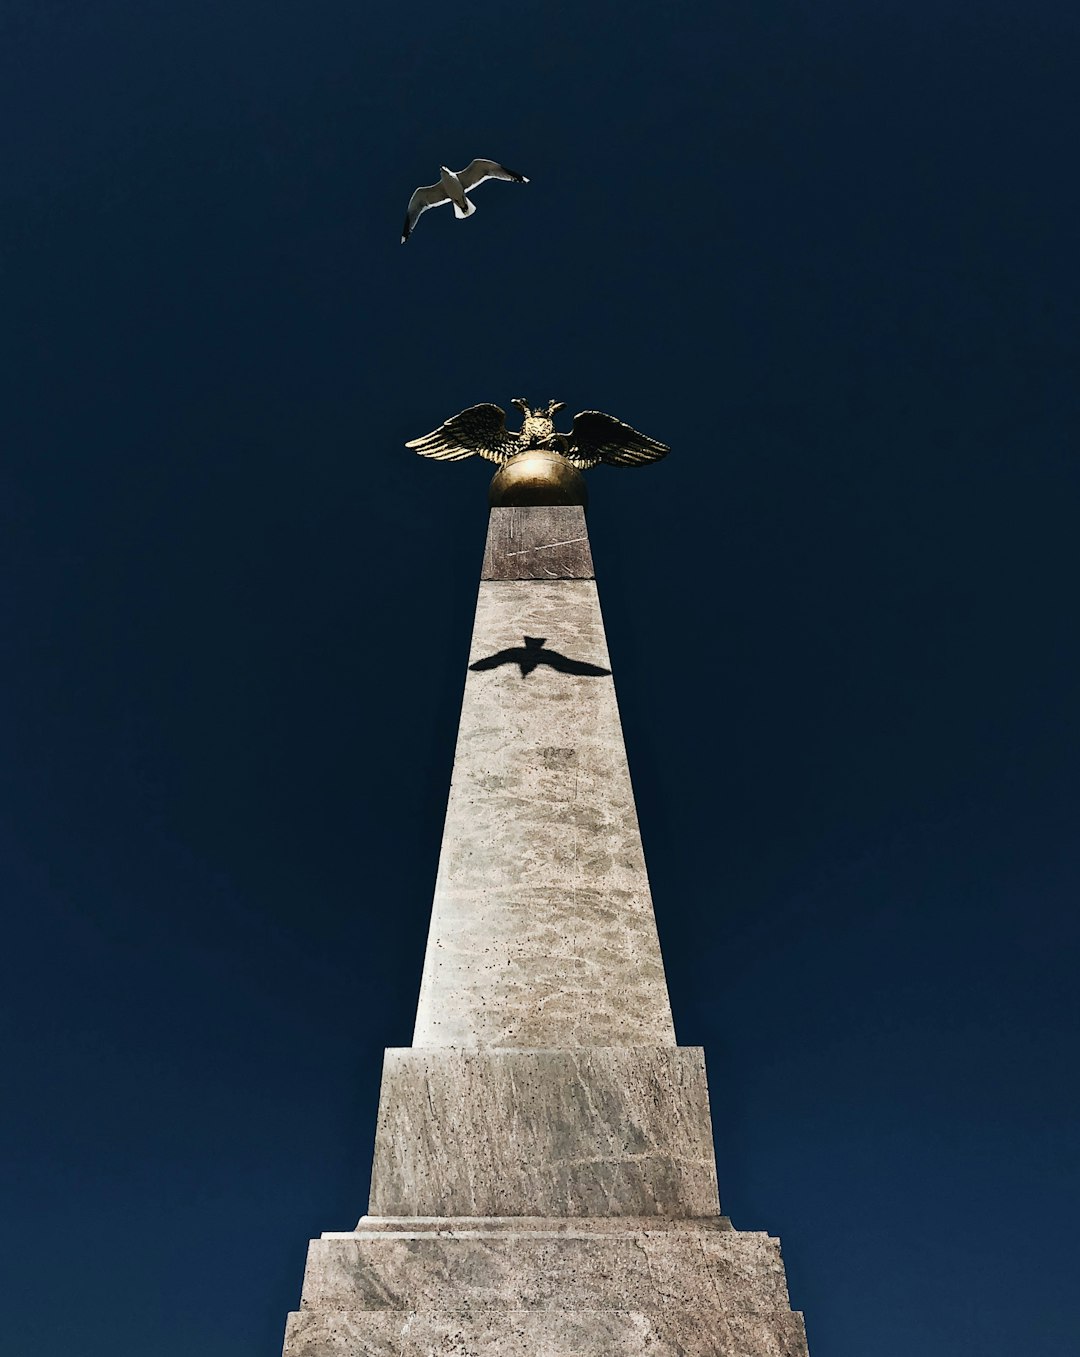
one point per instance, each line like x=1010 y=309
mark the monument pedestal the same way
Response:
x=544 y=1182
x=529 y=1287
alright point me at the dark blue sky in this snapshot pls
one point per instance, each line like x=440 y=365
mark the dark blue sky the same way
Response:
x=827 y=252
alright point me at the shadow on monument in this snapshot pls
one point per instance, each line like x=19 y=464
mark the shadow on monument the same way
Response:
x=532 y=653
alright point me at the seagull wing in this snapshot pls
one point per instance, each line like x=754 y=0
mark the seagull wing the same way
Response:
x=431 y=195
x=597 y=437
x=477 y=171
x=479 y=429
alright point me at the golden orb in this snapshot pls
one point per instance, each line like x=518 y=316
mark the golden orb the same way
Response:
x=537 y=476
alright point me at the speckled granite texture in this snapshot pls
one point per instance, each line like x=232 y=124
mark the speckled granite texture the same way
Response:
x=544 y=1182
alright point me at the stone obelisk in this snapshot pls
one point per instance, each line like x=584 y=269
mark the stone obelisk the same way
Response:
x=544 y=1182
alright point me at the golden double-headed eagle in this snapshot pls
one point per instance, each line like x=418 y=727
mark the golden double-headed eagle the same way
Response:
x=481 y=431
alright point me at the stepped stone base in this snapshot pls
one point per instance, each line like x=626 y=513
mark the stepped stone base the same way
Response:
x=528 y=1287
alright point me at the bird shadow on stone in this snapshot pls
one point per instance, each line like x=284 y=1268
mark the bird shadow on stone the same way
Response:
x=532 y=654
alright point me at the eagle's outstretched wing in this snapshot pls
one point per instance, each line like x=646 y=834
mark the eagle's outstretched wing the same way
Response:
x=597 y=437
x=479 y=429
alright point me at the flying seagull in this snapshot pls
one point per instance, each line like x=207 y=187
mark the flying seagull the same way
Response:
x=452 y=188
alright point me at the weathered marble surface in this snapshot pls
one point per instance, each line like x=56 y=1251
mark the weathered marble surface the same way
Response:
x=680 y=1291
x=541 y=542
x=593 y=1132
x=460 y=1226
x=543 y=1333
x=634 y=1269
x=542 y=930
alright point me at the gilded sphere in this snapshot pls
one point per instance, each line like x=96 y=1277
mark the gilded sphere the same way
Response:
x=537 y=476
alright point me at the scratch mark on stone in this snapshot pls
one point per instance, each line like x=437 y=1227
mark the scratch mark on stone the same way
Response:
x=550 y=546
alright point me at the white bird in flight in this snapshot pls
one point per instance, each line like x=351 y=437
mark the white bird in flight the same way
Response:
x=452 y=188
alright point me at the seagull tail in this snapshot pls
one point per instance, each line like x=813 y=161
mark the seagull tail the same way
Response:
x=470 y=208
